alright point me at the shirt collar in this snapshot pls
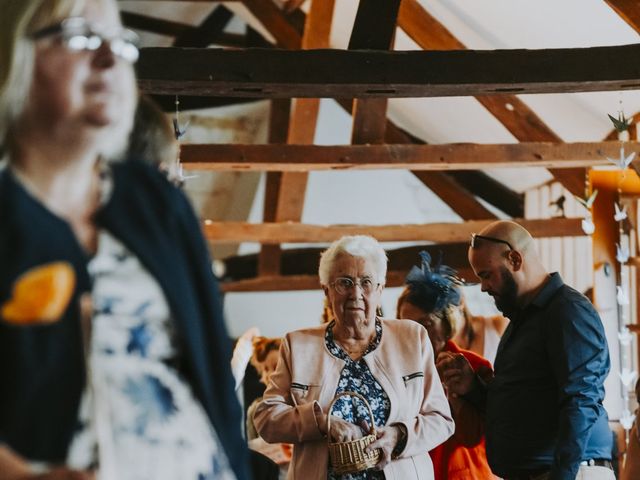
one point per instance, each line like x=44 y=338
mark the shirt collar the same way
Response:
x=552 y=285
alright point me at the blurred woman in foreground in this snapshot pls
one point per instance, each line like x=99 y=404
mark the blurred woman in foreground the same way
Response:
x=113 y=352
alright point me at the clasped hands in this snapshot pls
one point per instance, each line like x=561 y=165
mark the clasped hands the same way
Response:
x=456 y=373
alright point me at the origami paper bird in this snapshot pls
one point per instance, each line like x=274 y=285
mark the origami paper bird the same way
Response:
x=622 y=253
x=621 y=123
x=177 y=131
x=620 y=214
x=623 y=162
x=587 y=226
x=627 y=377
x=626 y=419
x=587 y=202
x=621 y=296
x=625 y=336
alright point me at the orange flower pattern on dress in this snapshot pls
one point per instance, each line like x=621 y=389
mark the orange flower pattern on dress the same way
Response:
x=40 y=295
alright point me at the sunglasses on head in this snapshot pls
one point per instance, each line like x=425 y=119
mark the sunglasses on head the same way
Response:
x=475 y=237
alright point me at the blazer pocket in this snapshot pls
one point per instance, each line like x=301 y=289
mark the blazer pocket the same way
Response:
x=412 y=376
x=413 y=393
x=302 y=392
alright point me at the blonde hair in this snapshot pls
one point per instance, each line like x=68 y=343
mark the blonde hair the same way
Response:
x=361 y=246
x=18 y=21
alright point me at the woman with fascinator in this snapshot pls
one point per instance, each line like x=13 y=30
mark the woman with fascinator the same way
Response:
x=432 y=298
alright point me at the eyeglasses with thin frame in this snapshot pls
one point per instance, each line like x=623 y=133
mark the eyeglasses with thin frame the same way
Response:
x=475 y=237
x=79 y=35
x=343 y=285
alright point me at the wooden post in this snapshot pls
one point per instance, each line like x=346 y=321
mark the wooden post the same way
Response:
x=607 y=271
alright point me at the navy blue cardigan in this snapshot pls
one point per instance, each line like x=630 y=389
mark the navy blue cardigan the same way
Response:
x=42 y=368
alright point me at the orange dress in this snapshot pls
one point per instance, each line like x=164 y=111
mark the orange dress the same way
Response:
x=463 y=456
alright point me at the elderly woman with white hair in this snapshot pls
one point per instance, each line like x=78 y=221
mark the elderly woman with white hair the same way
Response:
x=389 y=363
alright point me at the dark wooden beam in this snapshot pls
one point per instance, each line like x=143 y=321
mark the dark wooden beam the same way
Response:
x=273 y=19
x=335 y=73
x=375 y=25
x=374 y=29
x=155 y=25
x=291 y=232
x=292 y=5
x=491 y=191
x=459 y=199
x=208 y=31
x=251 y=39
x=463 y=156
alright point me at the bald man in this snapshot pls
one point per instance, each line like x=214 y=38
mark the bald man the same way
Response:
x=544 y=414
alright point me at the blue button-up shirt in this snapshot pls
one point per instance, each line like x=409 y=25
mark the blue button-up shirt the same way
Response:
x=544 y=407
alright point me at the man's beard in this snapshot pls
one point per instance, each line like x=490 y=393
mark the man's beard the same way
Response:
x=506 y=301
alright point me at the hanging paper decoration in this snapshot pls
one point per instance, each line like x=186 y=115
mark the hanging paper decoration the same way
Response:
x=628 y=377
x=176 y=173
x=621 y=213
x=622 y=253
x=587 y=225
x=621 y=124
x=178 y=131
x=623 y=162
x=621 y=296
x=625 y=337
x=587 y=202
x=626 y=419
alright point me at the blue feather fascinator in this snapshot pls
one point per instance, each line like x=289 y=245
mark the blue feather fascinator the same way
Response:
x=436 y=287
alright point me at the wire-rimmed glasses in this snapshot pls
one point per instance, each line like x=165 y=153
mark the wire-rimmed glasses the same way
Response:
x=77 y=35
x=343 y=285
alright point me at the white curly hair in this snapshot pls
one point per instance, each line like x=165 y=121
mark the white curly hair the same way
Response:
x=362 y=246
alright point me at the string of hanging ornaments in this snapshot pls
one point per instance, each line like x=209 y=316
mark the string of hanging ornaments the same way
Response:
x=176 y=173
x=627 y=374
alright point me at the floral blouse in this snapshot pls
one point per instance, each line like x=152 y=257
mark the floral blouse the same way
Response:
x=138 y=417
x=356 y=377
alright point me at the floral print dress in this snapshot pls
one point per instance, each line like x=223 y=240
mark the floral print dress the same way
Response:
x=138 y=419
x=356 y=377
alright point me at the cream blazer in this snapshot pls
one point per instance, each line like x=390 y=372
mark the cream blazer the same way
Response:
x=308 y=374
